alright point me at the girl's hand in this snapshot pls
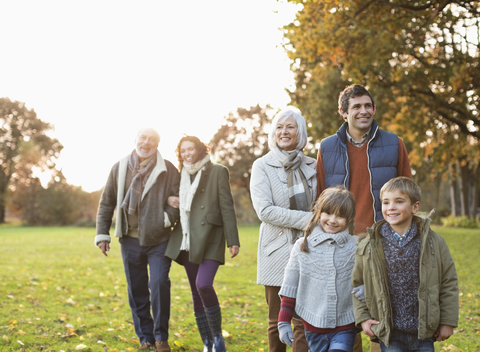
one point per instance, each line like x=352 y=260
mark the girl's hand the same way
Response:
x=359 y=293
x=174 y=202
x=234 y=251
x=285 y=332
x=443 y=332
x=366 y=326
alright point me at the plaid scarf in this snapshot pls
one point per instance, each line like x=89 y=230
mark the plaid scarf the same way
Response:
x=298 y=190
x=131 y=201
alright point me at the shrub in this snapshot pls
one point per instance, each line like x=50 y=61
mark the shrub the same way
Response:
x=461 y=221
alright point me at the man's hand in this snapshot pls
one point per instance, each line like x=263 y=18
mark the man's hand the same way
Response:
x=174 y=202
x=234 y=251
x=443 y=332
x=359 y=292
x=105 y=247
x=285 y=332
x=366 y=326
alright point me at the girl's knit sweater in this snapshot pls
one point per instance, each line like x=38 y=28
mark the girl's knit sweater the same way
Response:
x=320 y=281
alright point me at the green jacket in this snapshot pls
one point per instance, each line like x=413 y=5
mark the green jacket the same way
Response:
x=212 y=219
x=437 y=293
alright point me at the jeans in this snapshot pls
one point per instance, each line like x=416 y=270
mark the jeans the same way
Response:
x=401 y=342
x=200 y=277
x=335 y=341
x=145 y=292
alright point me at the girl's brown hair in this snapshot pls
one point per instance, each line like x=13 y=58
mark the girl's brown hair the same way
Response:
x=201 y=148
x=335 y=201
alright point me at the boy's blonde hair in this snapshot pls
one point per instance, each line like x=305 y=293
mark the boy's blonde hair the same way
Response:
x=335 y=201
x=405 y=186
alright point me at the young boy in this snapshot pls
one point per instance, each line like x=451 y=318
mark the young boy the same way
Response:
x=411 y=285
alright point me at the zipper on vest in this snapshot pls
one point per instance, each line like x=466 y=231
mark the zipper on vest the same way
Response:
x=347 y=169
x=370 y=173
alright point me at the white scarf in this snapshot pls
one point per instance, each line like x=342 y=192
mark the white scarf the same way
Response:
x=187 y=192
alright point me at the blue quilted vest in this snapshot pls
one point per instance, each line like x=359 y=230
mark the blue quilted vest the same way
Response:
x=382 y=151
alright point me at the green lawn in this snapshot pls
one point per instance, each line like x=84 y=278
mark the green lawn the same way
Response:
x=58 y=292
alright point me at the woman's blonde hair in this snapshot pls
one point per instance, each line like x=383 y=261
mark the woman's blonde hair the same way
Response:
x=335 y=201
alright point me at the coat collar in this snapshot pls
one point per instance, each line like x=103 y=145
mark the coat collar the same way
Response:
x=318 y=236
x=342 y=131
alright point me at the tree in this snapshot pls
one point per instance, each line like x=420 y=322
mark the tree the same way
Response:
x=241 y=140
x=420 y=60
x=24 y=144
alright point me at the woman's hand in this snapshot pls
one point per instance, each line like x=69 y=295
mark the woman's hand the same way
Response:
x=234 y=251
x=174 y=202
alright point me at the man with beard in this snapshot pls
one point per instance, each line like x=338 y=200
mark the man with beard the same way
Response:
x=138 y=187
x=361 y=157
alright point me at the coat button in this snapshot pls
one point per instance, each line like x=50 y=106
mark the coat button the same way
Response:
x=203 y=190
x=202 y=223
x=202 y=207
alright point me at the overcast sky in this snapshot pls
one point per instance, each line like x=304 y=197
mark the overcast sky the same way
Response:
x=101 y=70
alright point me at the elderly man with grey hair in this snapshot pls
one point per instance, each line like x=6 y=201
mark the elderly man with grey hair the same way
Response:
x=136 y=192
x=283 y=188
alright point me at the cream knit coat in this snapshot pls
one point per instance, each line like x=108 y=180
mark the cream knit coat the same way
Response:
x=280 y=226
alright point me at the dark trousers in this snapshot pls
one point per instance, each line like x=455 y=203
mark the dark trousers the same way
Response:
x=274 y=343
x=144 y=292
x=200 y=277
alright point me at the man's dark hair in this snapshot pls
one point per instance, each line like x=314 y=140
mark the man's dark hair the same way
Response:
x=352 y=91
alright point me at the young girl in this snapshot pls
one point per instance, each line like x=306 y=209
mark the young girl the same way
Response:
x=317 y=281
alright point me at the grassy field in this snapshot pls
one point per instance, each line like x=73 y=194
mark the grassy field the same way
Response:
x=59 y=293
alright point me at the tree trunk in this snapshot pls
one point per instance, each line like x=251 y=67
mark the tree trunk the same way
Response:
x=464 y=186
x=3 y=202
x=453 y=189
x=438 y=184
x=475 y=194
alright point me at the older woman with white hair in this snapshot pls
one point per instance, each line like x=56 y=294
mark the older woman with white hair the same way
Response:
x=283 y=188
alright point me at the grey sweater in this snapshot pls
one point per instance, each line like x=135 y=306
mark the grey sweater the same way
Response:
x=320 y=281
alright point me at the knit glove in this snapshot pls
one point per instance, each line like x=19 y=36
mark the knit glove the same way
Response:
x=359 y=293
x=285 y=332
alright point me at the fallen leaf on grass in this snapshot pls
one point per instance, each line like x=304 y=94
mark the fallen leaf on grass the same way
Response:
x=20 y=342
x=177 y=343
x=226 y=334
x=100 y=341
x=81 y=347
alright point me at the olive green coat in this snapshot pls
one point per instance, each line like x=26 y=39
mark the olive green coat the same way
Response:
x=437 y=294
x=212 y=219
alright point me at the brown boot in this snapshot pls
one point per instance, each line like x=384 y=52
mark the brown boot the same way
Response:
x=147 y=346
x=162 y=346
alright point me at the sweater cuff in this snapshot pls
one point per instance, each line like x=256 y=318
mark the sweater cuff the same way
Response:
x=287 y=306
x=166 y=220
x=102 y=238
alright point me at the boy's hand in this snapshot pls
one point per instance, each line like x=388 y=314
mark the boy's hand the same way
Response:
x=366 y=326
x=359 y=293
x=443 y=332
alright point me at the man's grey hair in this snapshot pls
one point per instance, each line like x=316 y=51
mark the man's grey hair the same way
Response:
x=157 y=135
x=301 y=130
